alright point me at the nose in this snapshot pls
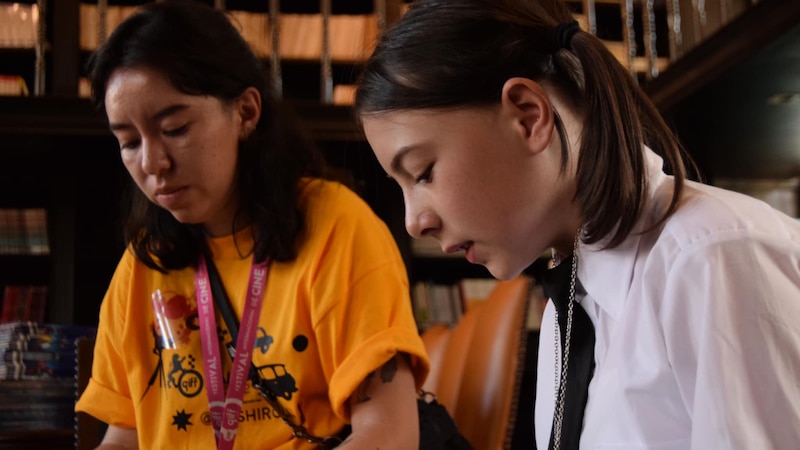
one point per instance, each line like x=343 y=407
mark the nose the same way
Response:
x=421 y=220
x=155 y=158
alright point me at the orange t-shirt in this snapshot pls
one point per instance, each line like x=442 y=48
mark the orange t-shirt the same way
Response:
x=329 y=318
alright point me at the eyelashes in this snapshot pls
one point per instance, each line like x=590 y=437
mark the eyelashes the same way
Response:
x=130 y=145
x=173 y=132
x=177 y=131
x=425 y=176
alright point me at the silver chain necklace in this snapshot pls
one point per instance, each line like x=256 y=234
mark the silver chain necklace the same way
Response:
x=561 y=387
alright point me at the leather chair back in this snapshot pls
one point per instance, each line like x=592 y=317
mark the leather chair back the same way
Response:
x=476 y=367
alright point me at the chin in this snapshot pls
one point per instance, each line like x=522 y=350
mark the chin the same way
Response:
x=183 y=218
x=503 y=273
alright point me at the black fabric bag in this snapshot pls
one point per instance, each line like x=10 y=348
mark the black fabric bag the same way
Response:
x=437 y=430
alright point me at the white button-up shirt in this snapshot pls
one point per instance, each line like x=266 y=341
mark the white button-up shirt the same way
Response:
x=697 y=328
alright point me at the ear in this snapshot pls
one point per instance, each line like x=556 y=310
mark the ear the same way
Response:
x=248 y=108
x=527 y=104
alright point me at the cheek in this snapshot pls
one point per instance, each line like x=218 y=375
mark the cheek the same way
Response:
x=222 y=148
x=224 y=167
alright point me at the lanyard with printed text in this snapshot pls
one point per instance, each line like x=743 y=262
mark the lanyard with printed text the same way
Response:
x=224 y=409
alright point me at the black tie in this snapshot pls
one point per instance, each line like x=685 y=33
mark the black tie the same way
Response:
x=556 y=283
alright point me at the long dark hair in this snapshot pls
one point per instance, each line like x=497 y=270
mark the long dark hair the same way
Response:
x=200 y=51
x=460 y=53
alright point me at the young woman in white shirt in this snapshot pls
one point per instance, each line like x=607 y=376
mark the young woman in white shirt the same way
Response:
x=511 y=131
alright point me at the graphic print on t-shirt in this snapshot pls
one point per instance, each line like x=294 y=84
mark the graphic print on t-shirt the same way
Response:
x=172 y=330
x=176 y=346
x=181 y=420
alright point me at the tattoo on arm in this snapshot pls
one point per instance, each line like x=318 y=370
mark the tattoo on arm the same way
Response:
x=361 y=393
x=387 y=372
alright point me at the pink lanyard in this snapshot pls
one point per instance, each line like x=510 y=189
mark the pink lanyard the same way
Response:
x=225 y=410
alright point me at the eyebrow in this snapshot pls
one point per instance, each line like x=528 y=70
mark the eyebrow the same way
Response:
x=168 y=111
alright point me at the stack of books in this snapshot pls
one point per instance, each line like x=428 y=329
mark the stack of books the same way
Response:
x=45 y=404
x=23 y=231
x=37 y=377
x=34 y=351
x=23 y=303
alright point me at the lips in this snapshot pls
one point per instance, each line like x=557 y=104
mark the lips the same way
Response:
x=463 y=246
x=167 y=190
x=169 y=196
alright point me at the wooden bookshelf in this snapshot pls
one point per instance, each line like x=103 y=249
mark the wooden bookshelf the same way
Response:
x=75 y=27
x=38 y=440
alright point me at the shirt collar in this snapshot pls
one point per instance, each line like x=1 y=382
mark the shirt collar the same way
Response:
x=606 y=274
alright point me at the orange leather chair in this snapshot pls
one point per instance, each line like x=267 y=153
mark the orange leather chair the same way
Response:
x=476 y=366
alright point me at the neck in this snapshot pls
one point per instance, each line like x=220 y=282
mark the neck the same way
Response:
x=566 y=246
x=238 y=224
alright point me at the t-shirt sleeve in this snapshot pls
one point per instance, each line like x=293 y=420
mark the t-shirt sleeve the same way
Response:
x=364 y=315
x=107 y=395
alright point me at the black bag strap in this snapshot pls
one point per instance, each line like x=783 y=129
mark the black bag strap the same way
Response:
x=222 y=301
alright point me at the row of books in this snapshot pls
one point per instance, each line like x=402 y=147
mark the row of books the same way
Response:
x=446 y=303
x=37 y=404
x=23 y=303
x=351 y=36
x=23 y=231
x=36 y=351
x=14 y=86
x=18 y=25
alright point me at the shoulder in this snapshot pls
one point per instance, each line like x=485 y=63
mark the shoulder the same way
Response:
x=131 y=275
x=127 y=264
x=319 y=194
x=720 y=255
x=721 y=247
x=331 y=204
x=707 y=215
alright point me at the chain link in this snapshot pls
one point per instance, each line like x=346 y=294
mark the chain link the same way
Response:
x=561 y=387
x=298 y=431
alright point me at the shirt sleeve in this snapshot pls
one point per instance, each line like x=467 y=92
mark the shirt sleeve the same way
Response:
x=731 y=316
x=107 y=395
x=362 y=313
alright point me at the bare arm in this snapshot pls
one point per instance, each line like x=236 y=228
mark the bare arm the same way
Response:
x=384 y=410
x=118 y=438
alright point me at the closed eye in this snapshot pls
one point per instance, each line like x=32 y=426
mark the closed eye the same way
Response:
x=129 y=145
x=176 y=131
x=425 y=177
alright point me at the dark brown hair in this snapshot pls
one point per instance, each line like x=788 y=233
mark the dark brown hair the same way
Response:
x=460 y=53
x=198 y=49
